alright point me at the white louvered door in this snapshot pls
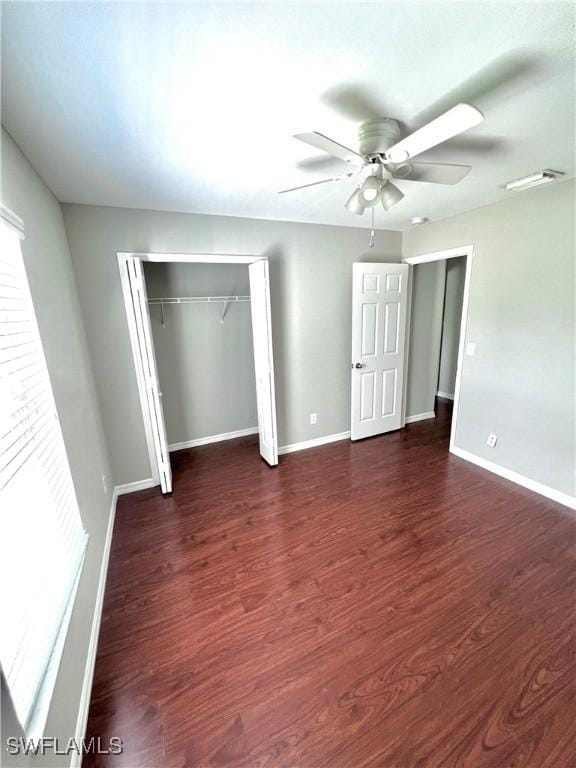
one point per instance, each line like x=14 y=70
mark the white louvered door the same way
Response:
x=42 y=540
x=146 y=360
x=263 y=360
x=379 y=305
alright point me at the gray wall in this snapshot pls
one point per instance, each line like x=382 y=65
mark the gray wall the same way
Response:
x=453 y=297
x=53 y=288
x=311 y=286
x=206 y=368
x=520 y=383
x=427 y=298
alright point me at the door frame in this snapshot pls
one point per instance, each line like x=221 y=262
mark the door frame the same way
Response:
x=451 y=253
x=182 y=258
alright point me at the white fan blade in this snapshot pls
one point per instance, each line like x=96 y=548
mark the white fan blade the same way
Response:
x=322 y=142
x=315 y=183
x=432 y=173
x=451 y=123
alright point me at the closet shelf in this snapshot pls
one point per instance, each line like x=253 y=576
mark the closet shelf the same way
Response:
x=226 y=300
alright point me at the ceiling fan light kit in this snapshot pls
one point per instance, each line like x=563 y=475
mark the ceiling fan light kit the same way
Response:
x=383 y=156
x=369 y=192
x=354 y=204
x=390 y=195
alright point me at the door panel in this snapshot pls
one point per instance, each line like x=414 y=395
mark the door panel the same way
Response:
x=379 y=304
x=391 y=327
x=369 y=329
x=368 y=391
x=388 y=392
x=147 y=361
x=263 y=360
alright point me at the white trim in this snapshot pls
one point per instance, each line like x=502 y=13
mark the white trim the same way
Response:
x=192 y=258
x=526 y=482
x=314 y=443
x=84 y=706
x=420 y=417
x=213 y=439
x=407 y=346
x=37 y=724
x=450 y=253
x=445 y=395
x=137 y=485
x=461 y=343
x=453 y=253
x=12 y=220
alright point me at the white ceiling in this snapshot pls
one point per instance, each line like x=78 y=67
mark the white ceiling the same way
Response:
x=191 y=106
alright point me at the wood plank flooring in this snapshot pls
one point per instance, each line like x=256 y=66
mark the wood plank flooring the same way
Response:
x=381 y=604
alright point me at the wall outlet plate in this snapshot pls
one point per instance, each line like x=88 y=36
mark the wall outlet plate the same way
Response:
x=492 y=439
x=313 y=418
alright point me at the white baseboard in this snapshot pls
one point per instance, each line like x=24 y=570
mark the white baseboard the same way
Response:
x=515 y=477
x=445 y=395
x=84 y=707
x=420 y=417
x=137 y=485
x=314 y=443
x=213 y=439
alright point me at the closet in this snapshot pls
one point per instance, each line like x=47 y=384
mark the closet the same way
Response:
x=202 y=344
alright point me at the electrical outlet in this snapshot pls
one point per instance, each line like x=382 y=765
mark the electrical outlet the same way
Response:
x=492 y=439
x=105 y=484
x=313 y=418
x=471 y=349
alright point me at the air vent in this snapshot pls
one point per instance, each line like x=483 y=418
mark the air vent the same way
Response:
x=533 y=180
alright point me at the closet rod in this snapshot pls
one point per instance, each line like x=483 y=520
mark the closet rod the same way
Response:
x=196 y=299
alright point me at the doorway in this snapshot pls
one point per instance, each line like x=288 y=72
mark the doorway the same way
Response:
x=137 y=306
x=446 y=358
x=383 y=311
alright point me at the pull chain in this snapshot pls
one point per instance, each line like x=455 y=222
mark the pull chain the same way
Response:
x=372 y=233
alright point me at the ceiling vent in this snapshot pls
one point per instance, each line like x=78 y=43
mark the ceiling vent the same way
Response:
x=533 y=180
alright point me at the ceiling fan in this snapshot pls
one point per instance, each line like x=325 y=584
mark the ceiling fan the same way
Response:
x=382 y=156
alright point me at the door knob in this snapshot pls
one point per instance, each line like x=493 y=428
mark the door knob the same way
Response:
x=359 y=365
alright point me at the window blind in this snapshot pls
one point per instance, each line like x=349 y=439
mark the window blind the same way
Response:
x=42 y=541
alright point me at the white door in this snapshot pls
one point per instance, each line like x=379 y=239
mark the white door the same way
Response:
x=146 y=360
x=379 y=303
x=263 y=360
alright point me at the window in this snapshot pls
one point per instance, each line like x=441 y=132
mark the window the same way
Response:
x=42 y=541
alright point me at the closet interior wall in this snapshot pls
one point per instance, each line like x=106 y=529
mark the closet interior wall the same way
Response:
x=205 y=366
x=452 y=316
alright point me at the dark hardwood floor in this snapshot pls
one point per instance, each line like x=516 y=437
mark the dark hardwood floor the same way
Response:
x=379 y=604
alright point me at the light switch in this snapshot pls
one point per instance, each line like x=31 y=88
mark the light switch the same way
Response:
x=471 y=348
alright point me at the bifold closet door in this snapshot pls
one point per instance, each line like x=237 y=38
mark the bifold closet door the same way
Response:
x=147 y=362
x=263 y=360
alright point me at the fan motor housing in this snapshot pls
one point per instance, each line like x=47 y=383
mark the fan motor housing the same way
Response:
x=377 y=136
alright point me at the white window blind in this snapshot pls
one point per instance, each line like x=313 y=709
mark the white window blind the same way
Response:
x=42 y=541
